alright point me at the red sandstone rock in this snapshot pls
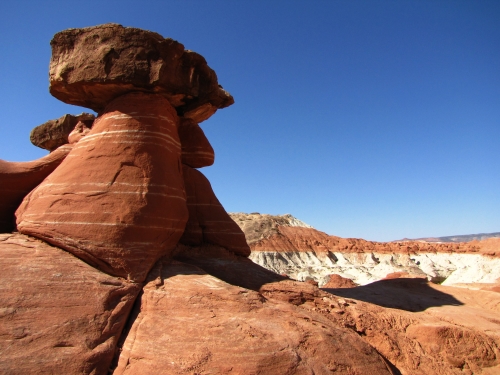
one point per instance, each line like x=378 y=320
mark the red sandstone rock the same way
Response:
x=420 y=327
x=337 y=281
x=208 y=221
x=80 y=131
x=197 y=152
x=118 y=200
x=19 y=178
x=190 y=322
x=275 y=236
x=58 y=315
x=396 y=275
x=54 y=133
x=92 y=66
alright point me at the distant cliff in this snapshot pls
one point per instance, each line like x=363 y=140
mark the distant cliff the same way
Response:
x=285 y=245
x=461 y=238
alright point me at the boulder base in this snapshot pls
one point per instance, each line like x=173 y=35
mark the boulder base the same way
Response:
x=58 y=315
x=189 y=322
x=208 y=221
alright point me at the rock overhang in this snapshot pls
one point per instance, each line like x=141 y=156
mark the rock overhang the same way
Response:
x=91 y=66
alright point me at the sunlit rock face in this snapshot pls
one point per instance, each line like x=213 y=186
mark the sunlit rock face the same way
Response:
x=118 y=200
x=219 y=328
x=58 y=315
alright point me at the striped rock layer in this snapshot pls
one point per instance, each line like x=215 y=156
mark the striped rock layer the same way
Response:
x=117 y=201
x=19 y=178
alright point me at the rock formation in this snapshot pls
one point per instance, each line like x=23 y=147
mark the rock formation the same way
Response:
x=19 y=178
x=208 y=221
x=155 y=278
x=92 y=66
x=118 y=201
x=286 y=246
x=55 y=133
x=227 y=329
x=58 y=315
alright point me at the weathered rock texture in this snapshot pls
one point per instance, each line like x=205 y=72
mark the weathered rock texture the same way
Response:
x=92 y=66
x=54 y=133
x=234 y=317
x=282 y=245
x=58 y=315
x=193 y=323
x=197 y=152
x=19 y=178
x=117 y=201
x=208 y=221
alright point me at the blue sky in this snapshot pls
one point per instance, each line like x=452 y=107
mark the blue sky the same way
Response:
x=368 y=119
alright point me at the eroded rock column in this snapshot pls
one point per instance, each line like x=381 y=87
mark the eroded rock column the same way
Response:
x=118 y=199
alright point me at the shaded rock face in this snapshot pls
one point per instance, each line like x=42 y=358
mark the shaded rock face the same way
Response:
x=55 y=133
x=92 y=66
x=58 y=315
x=197 y=152
x=19 y=178
x=208 y=221
x=117 y=201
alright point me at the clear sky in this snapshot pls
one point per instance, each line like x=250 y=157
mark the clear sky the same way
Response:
x=368 y=119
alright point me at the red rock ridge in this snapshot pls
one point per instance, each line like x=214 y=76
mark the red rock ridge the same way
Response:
x=308 y=239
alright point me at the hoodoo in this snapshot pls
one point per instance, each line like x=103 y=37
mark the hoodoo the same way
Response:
x=118 y=201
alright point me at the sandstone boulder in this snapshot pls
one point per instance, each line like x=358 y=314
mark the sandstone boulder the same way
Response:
x=92 y=66
x=208 y=221
x=58 y=315
x=197 y=152
x=189 y=322
x=337 y=281
x=118 y=200
x=19 y=178
x=54 y=133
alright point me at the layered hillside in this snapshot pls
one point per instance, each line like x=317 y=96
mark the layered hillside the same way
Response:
x=288 y=246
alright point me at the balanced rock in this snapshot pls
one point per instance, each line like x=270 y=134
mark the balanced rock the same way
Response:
x=58 y=315
x=54 y=133
x=19 y=178
x=208 y=220
x=197 y=152
x=118 y=200
x=92 y=66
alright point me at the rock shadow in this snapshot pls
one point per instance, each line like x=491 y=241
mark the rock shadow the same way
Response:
x=228 y=267
x=405 y=294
